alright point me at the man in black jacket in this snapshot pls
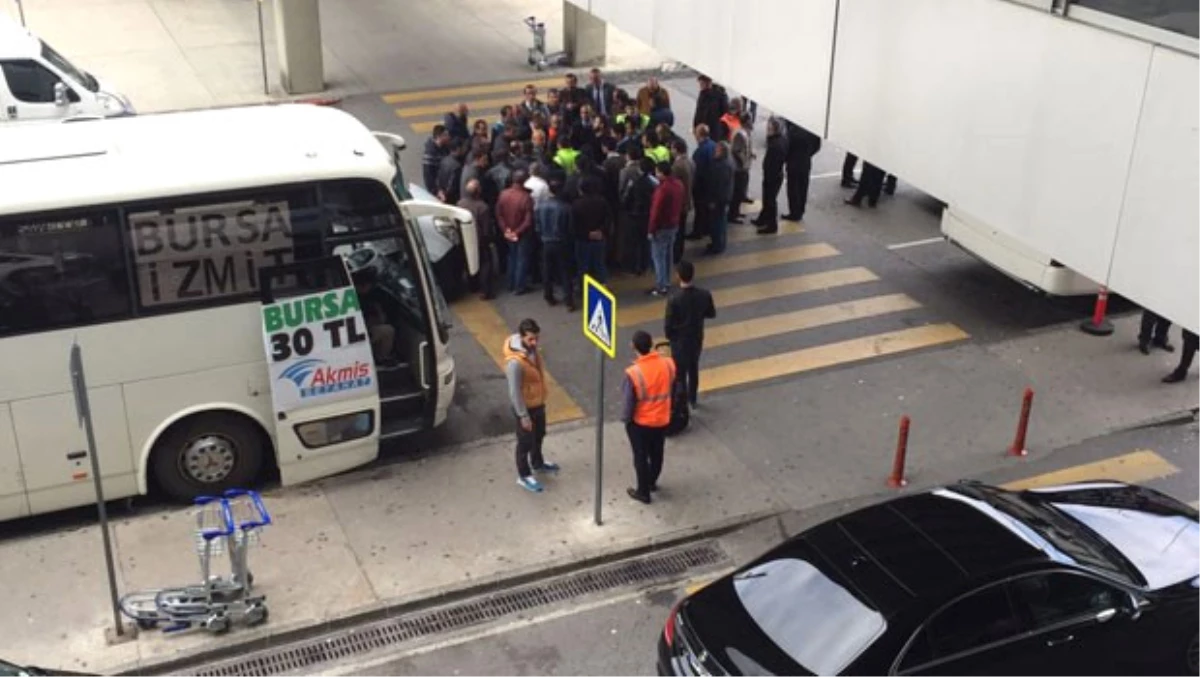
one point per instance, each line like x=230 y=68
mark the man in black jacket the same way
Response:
x=711 y=104
x=449 y=176
x=437 y=146
x=456 y=123
x=601 y=94
x=773 y=162
x=687 y=309
x=802 y=146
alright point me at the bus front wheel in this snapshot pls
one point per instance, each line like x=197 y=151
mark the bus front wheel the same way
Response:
x=207 y=454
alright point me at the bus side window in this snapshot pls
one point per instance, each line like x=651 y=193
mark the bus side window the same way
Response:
x=61 y=269
x=355 y=206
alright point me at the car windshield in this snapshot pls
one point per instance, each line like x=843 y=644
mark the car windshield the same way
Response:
x=67 y=68
x=816 y=621
x=1063 y=536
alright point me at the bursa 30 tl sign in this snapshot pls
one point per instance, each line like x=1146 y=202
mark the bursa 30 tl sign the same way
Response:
x=318 y=349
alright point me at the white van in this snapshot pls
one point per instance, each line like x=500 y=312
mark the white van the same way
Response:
x=38 y=85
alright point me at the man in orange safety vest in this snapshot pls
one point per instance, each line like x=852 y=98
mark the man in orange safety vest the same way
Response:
x=646 y=394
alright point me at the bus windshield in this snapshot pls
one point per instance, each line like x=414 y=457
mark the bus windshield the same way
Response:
x=60 y=62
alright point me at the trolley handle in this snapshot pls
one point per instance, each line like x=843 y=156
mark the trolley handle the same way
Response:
x=264 y=517
x=226 y=516
x=532 y=22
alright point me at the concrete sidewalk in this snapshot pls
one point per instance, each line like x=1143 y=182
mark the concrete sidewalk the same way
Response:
x=180 y=54
x=371 y=540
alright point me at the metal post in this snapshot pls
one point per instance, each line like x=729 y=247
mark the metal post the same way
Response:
x=21 y=10
x=82 y=408
x=262 y=48
x=599 y=430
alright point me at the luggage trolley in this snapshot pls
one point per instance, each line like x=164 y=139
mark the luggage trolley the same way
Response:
x=538 y=58
x=230 y=523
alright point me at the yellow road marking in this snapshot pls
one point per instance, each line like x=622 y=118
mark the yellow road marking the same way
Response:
x=1134 y=467
x=720 y=265
x=489 y=329
x=1195 y=504
x=424 y=127
x=817 y=357
x=749 y=234
x=516 y=86
x=696 y=586
x=484 y=108
x=808 y=318
x=751 y=293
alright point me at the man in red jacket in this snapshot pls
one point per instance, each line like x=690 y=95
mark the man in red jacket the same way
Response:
x=665 y=208
x=514 y=215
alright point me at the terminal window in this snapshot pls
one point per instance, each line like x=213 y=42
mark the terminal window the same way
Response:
x=1179 y=16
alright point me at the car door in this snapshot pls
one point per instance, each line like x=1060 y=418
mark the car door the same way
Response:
x=969 y=636
x=31 y=88
x=1081 y=624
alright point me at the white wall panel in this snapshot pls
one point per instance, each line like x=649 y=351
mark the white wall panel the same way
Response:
x=780 y=56
x=1020 y=118
x=696 y=32
x=635 y=17
x=1157 y=257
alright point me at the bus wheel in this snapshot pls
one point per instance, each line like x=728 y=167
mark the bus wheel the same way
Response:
x=207 y=454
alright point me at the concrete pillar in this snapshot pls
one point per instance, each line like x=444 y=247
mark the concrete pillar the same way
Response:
x=298 y=35
x=584 y=36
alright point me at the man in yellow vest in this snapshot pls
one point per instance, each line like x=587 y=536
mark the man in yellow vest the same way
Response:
x=646 y=394
x=527 y=393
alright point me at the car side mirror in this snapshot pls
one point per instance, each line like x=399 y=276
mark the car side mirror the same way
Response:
x=1105 y=615
x=1135 y=606
x=60 y=94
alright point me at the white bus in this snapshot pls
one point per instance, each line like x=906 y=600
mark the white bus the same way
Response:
x=152 y=241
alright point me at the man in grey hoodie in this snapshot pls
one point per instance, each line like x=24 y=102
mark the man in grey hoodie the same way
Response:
x=527 y=394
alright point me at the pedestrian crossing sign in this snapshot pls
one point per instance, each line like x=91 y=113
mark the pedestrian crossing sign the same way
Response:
x=600 y=316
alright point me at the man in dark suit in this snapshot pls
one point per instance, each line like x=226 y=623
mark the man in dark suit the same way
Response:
x=456 y=123
x=772 y=168
x=571 y=97
x=711 y=104
x=802 y=146
x=601 y=94
x=687 y=309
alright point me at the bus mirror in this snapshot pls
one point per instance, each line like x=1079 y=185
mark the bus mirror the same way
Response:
x=60 y=94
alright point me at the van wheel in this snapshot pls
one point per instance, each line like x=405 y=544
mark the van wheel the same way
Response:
x=207 y=454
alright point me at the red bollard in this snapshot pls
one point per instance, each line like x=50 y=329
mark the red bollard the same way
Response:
x=1018 y=445
x=1099 y=324
x=896 y=480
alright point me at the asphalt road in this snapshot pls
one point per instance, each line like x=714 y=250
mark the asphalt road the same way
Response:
x=617 y=636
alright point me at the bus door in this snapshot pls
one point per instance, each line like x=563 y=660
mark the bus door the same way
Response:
x=324 y=384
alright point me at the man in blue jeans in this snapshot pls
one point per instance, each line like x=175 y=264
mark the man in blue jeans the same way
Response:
x=514 y=216
x=592 y=223
x=665 y=208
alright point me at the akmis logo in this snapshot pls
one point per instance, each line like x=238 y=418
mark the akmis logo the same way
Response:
x=315 y=377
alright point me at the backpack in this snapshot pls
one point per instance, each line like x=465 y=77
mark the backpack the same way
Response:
x=680 y=412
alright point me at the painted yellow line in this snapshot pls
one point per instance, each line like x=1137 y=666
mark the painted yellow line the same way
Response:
x=1134 y=467
x=516 y=86
x=696 y=586
x=830 y=354
x=1195 y=504
x=489 y=329
x=751 y=293
x=721 y=265
x=424 y=127
x=808 y=318
x=748 y=234
x=484 y=108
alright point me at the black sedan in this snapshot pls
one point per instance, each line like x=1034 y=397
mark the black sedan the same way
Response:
x=1096 y=578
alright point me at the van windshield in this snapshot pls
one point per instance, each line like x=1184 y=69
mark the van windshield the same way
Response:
x=67 y=68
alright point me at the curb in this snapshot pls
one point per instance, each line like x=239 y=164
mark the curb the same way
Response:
x=182 y=662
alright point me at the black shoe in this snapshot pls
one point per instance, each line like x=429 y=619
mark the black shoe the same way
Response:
x=570 y=307
x=872 y=203
x=1145 y=348
x=551 y=301
x=852 y=202
x=1174 y=377
x=768 y=230
x=849 y=183
x=747 y=201
x=641 y=498
x=791 y=217
x=653 y=488
x=758 y=221
x=1165 y=346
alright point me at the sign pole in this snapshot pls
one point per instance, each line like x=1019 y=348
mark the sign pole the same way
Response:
x=262 y=49
x=599 y=431
x=600 y=327
x=83 y=409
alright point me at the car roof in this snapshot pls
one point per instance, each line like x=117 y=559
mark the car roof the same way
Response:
x=925 y=545
x=16 y=42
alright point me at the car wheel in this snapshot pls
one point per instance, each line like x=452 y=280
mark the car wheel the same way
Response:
x=208 y=454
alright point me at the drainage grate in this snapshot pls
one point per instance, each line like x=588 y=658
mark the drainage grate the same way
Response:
x=290 y=659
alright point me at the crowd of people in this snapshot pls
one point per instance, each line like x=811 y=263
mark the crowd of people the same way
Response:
x=594 y=178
